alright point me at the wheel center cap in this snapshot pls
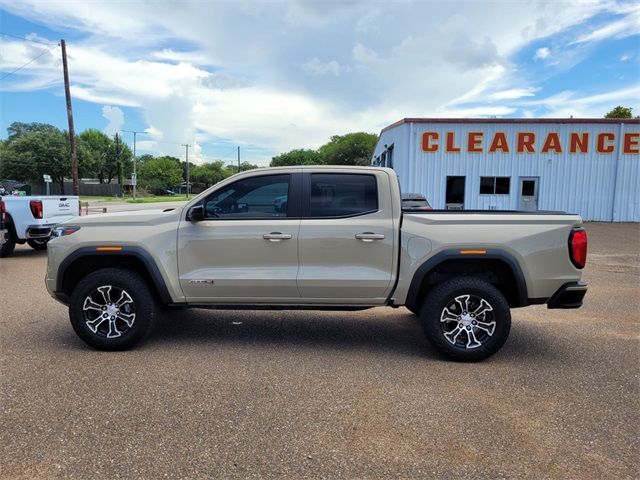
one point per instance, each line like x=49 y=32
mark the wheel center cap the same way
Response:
x=466 y=320
x=112 y=310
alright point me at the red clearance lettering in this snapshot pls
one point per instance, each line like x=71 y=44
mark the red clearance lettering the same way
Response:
x=451 y=140
x=474 y=142
x=427 y=146
x=525 y=142
x=552 y=142
x=499 y=143
x=631 y=143
x=601 y=147
x=579 y=141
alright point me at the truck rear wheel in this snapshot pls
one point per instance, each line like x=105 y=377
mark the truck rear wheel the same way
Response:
x=8 y=246
x=112 y=309
x=38 y=243
x=466 y=319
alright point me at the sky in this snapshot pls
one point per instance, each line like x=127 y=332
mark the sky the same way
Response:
x=277 y=75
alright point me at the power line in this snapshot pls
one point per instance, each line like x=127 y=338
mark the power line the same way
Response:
x=29 y=40
x=26 y=64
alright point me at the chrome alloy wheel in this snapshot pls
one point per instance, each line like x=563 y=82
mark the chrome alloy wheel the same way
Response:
x=109 y=311
x=468 y=321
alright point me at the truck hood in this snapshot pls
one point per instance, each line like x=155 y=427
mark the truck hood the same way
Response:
x=135 y=217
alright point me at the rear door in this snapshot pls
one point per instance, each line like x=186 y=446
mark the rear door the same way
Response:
x=346 y=241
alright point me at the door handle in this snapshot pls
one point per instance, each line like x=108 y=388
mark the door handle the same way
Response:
x=369 y=236
x=276 y=236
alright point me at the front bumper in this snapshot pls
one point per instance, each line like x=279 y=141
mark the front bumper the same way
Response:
x=570 y=295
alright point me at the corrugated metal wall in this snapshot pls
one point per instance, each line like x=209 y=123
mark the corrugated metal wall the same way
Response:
x=598 y=186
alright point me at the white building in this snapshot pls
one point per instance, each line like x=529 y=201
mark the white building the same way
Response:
x=585 y=166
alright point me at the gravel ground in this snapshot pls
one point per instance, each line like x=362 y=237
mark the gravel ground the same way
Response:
x=325 y=394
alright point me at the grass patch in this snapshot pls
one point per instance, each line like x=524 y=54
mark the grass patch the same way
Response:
x=86 y=198
x=161 y=198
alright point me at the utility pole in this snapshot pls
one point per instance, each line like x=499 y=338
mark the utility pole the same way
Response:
x=186 y=146
x=238 y=158
x=72 y=135
x=134 y=177
x=118 y=165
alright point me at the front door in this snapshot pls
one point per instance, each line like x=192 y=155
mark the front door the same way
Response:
x=346 y=238
x=246 y=248
x=528 y=194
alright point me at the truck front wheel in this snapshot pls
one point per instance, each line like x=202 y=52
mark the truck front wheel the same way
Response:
x=112 y=309
x=466 y=319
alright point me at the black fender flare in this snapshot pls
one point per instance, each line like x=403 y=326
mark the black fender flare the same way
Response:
x=128 y=251
x=454 y=254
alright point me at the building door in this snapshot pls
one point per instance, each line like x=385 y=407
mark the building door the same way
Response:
x=454 y=199
x=528 y=201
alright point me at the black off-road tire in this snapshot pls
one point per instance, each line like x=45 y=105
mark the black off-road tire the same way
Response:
x=81 y=311
x=444 y=296
x=38 y=244
x=414 y=310
x=8 y=246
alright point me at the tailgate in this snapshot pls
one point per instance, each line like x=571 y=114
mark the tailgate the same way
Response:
x=54 y=208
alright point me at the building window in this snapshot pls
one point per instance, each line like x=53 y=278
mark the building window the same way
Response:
x=494 y=185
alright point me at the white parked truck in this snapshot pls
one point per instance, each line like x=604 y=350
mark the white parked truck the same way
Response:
x=31 y=219
x=316 y=238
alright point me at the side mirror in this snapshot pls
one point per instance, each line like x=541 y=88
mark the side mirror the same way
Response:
x=196 y=213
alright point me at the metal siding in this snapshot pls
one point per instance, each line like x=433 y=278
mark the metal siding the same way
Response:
x=575 y=183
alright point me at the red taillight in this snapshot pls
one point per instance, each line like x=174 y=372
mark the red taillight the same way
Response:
x=578 y=247
x=36 y=208
x=3 y=211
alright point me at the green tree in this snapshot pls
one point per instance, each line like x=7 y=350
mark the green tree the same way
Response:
x=123 y=158
x=183 y=165
x=620 y=112
x=300 y=156
x=96 y=148
x=233 y=169
x=350 y=149
x=26 y=157
x=144 y=158
x=18 y=129
x=160 y=173
x=208 y=174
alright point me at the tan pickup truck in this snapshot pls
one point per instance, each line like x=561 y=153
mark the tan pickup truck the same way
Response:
x=316 y=238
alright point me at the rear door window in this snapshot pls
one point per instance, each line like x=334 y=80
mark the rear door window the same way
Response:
x=342 y=195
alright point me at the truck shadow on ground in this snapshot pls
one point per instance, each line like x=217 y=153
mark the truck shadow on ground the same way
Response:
x=308 y=329
x=24 y=252
x=397 y=332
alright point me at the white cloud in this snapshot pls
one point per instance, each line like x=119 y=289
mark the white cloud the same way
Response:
x=513 y=94
x=624 y=27
x=233 y=74
x=363 y=55
x=625 y=58
x=115 y=117
x=572 y=104
x=315 y=66
x=542 y=53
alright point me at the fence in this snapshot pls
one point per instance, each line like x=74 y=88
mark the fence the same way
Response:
x=96 y=189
